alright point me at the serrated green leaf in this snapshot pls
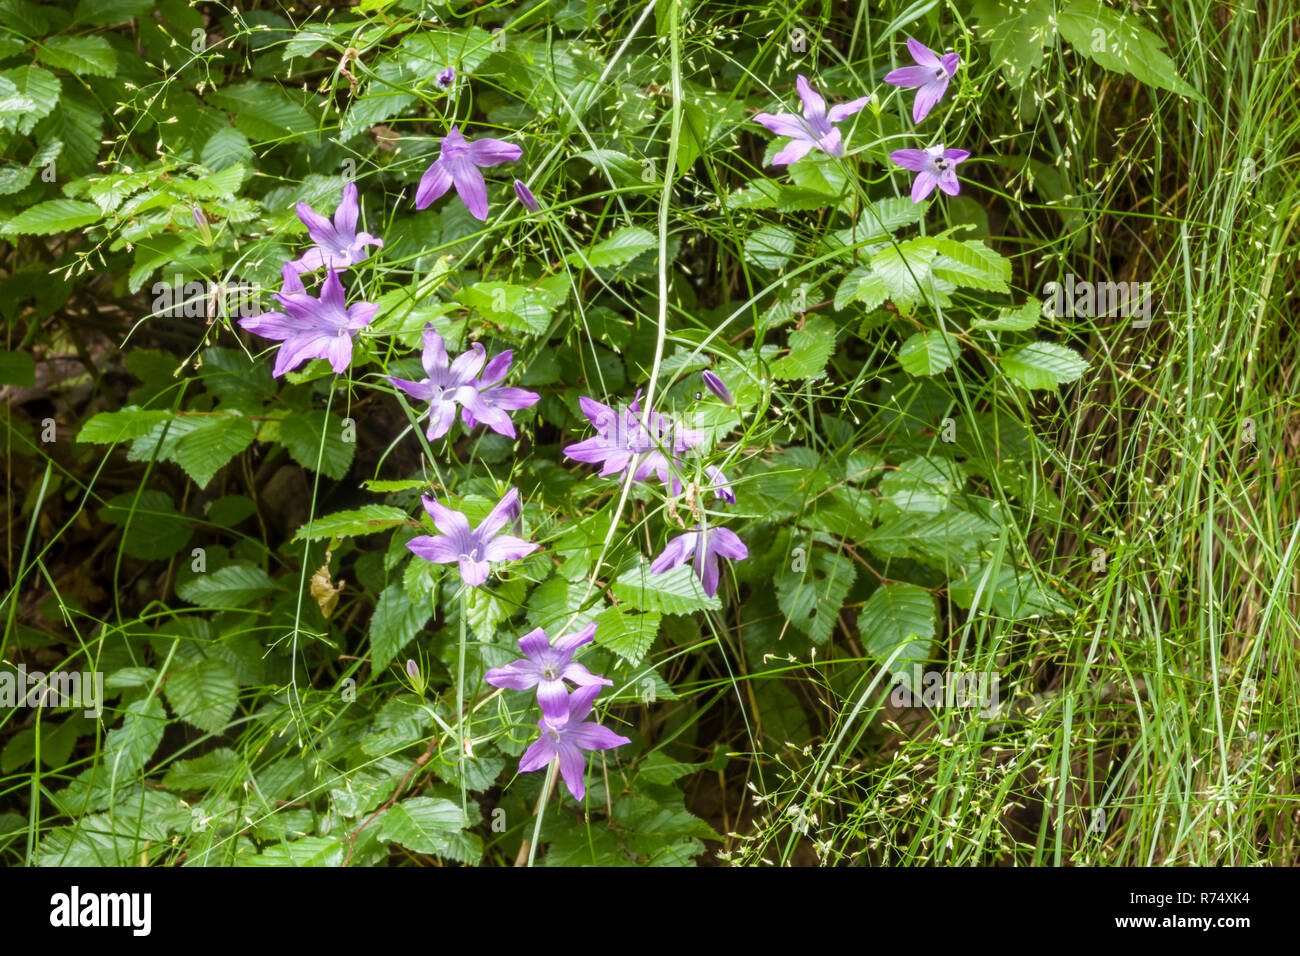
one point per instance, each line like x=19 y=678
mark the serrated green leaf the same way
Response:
x=895 y=615
x=627 y=634
x=928 y=353
x=214 y=442
x=316 y=439
x=368 y=519
x=395 y=623
x=52 y=216
x=676 y=591
x=235 y=585
x=811 y=348
x=769 y=247
x=620 y=248
x=429 y=825
x=1119 y=43
x=811 y=597
x=204 y=694
x=1015 y=32
x=83 y=55
x=971 y=264
x=1018 y=319
x=1043 y=365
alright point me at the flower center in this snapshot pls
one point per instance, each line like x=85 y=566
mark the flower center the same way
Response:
x=553 y=734
x=343 y=332
x=472 y=554
x=548 y=672
x=940 y=73
x=941 y=164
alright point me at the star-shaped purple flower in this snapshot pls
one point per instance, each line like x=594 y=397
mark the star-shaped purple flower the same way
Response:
x=494 y=402
x=338 y=244
x=475 y=551
x=623 y=441
x=449 y=383
x=568 y=740
x=933 y=167
x=704 y=545
x=310 y=327
x=458 y=165
x=547 y=666
x=930 y=76
x=813 y=128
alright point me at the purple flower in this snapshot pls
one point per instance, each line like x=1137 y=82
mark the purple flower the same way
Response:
x=547 y=667
x=934 y=167
x=526 y=196
x=475 y=551
x=448 y=384
x=813 y=128
x=930 y=76
x=623 y=441
x=705 y=544
x=568 y=740
x=309 y=327
x=718 y=388
x=458 y=165
x=492 y=402
x=447 y=77
x=338 y=244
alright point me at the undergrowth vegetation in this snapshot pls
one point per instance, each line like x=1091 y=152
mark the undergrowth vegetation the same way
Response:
x=560 y=433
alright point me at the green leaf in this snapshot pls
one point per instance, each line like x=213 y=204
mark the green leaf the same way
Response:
x=213 y=769
x=627 y=634
x=17 y=368
x=428 y=825
x=84 y=55
x=676 y=591
x=35 y=93
x=266 y=113
x=899 y=614
x=52 y=216
x=128 y=748
x=235 y=585
x=206 y=450
x=811 y=348
x=204 y=694
x=156 y=531
x=368 y=519
x=308 y=851
x=103 y=13
x=943 y=540
x=1015 y=32
x=971 y=264
x=317 y=435
x=108 y=428
x=860 y=285
x=928 y=353
x=395 y=623
x=1043 y=365
x=812 y=596
x=1018 y=319
x=769 y=247
x=1121 y=44
x=904 y=270
x=620 y=248
x=517 y=307
x=922 y=485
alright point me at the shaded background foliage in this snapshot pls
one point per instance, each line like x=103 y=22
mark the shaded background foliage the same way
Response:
x=255 y=711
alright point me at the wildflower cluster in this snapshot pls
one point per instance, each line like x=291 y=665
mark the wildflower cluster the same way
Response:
x=629 y=443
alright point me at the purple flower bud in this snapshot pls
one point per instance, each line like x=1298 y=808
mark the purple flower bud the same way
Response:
x=717 y=388
x=526 y=196
x=200 y=220
x=412 y=670
x=447 y=77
